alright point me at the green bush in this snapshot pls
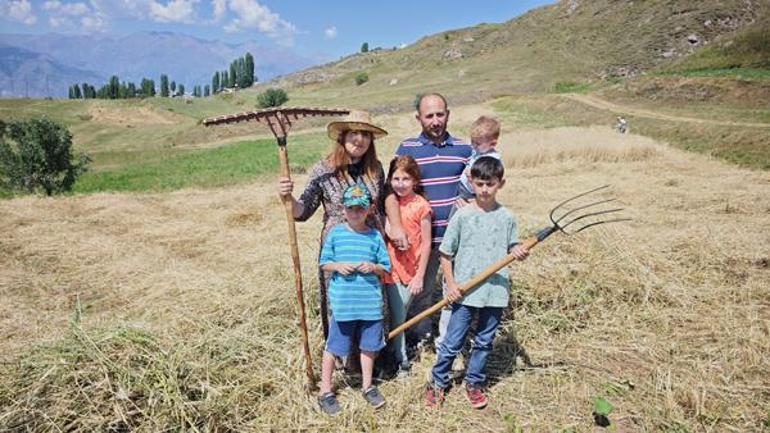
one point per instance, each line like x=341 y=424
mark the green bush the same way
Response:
x=37 y=154
x=272 y=98
x=571 y=87
x=361 y=78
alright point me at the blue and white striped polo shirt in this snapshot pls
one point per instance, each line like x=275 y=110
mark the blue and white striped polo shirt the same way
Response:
x=356 y=296
x=441 y=166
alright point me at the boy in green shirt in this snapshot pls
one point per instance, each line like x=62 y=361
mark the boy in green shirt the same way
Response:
x=479 y=235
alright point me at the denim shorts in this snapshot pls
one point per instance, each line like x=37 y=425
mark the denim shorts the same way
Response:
x=342 y=335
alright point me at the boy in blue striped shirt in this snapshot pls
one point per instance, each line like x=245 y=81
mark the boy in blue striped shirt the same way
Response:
x=356 y=256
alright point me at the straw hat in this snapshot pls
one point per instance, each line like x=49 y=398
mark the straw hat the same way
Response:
x=356 y=120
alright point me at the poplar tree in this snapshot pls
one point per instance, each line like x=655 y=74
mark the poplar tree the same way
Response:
x=249 y=69
x=164 y=85
x=215 y=82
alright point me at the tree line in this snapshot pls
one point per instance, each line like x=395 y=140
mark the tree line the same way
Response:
x=239 y=75
x=116 y=89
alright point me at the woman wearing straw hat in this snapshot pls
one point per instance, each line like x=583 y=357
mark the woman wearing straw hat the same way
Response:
x=353 y=159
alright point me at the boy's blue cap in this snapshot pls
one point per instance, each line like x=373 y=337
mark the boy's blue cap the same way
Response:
x=357 y=195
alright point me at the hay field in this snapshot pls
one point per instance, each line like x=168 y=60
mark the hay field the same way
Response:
x=176 y=311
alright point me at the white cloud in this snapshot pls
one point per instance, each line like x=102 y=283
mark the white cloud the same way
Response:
x=331 y=32
x=74 y=9
x=220 y=9
x=18 y=10
x=176 y=11
x=94 y=23
x=76 y=16
x=135 y=8
x=252 y=15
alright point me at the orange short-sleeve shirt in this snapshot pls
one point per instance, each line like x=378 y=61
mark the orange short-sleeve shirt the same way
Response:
x=404 y=262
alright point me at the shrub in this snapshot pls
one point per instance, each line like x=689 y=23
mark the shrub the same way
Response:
x=361 y=78
x=37 y=154
x=571 y=87
x=272 y=98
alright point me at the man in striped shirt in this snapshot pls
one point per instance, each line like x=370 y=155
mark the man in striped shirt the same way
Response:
x=442 y=159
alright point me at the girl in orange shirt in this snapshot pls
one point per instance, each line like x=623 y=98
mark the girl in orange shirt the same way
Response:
x=408 y=266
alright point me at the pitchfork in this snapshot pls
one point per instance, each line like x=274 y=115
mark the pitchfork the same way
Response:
x=570 y=222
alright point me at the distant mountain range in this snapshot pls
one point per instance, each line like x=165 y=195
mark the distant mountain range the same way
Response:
x=46 y=65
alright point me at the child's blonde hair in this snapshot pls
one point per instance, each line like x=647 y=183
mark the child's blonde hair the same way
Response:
x=485 y=127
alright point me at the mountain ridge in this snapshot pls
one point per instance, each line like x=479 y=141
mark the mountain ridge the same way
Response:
x=187 y=59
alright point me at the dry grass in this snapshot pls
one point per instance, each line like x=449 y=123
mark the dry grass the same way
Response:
x=176 y=311
x=530 y=149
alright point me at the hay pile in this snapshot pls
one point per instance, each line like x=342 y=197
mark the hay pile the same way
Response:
x=177 y=311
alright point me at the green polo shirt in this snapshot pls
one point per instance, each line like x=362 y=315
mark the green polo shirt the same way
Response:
x=477 y=239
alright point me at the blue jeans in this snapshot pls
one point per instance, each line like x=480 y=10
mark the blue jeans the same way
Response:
x=457 y=331
x=425 y=299
x=399 y=298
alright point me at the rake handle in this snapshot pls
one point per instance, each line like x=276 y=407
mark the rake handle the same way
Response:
x=288 y=204
x=473 y=283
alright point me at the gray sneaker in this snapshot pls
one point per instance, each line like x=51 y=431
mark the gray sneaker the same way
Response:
x=328 y=404
x=404 y=370
x=373 y=396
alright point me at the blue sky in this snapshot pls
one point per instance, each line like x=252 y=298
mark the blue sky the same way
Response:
x=316 y=29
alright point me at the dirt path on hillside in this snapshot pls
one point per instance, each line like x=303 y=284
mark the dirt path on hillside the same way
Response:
x=603 y=104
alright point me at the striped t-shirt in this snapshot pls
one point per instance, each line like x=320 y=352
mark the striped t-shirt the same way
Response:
x=441 y=166
x=356 y=296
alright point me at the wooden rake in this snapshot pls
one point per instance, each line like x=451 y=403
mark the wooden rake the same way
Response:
x=280 y=121
x=566 y=217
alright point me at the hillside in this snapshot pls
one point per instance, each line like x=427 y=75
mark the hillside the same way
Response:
x=572 y=41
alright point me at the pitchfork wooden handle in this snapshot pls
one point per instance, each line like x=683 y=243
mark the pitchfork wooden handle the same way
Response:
x=465 y=288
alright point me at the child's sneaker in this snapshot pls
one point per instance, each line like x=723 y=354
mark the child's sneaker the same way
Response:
x=434 y=396
x=328 y=404
x=476 y=396
x=373 y=396
x=404 y=370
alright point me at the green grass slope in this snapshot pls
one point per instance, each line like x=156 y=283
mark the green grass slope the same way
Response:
x=571 y=41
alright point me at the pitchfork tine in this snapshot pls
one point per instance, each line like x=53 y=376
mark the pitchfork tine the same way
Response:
x=603 y=212
x=601 y=222
x=596 y=203
x=574 y=198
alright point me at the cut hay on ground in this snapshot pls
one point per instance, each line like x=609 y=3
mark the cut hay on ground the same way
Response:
x=177 y=312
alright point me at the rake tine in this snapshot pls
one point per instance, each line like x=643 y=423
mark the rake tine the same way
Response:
x=596 y=203
x=602 y=222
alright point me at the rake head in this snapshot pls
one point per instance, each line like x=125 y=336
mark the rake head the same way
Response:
x=585 y=210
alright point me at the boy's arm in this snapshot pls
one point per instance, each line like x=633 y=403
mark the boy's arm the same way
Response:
x=515 y=248
x=453 y=293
